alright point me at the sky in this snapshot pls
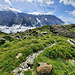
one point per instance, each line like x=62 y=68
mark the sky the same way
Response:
x=63 y=9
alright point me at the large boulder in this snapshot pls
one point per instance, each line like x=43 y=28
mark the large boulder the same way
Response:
x=44 y=70
x=42 y=63
x=72 y=25
x=62 y=30
x=2 y=41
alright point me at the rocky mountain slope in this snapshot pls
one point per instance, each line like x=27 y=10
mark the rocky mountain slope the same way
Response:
x=9 y=18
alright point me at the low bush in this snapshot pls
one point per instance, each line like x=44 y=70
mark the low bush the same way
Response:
x=8 y=38
x=36 y=47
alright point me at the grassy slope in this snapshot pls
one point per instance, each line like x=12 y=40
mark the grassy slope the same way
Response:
x=8 y=52
x=58 y=56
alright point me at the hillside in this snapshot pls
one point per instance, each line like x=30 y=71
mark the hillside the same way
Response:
x=9 y=18
x=61 y=55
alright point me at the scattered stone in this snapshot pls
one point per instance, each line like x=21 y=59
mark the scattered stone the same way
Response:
x=40 y=34
x=44 y=33
x=24 y=37
x=72 y=61
x=44 y=70
x=2 y=41
x=25 y=69
x=71 y=41
x=29 y=68
x=30 y=64
x=19 y=55
x=32 y=32
x=25 y=66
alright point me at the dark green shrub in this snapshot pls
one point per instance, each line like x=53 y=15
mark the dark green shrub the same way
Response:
x=8 y=38
x=36 y=47
x=35 y=41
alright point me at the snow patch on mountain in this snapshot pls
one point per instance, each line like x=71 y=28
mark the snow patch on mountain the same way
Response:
x=46 y=19
x=38 y=20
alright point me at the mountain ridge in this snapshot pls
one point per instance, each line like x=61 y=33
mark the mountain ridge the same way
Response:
x=9 y=18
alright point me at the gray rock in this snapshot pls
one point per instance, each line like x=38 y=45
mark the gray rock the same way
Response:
x=61 y=30
x=72 y=25
x=30 y=64
x=2 y=41
x=19 y=55
x=44 y=33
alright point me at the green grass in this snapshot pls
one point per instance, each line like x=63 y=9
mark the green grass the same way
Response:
x=60 y=67
x=72 y=29
x=58 y=56
x=8 y=51
x=28 y=72
x=60 y=52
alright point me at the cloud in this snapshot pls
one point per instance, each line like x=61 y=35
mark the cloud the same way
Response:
x=66 y=11
x=36 y=13
x=72 y=12
x=39 y=13
x=13 y=9
x=7 y=8
x=37 y=1
x=67 y=20
x=68 y=2
x=8 y=1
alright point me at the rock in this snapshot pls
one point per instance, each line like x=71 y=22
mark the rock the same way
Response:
x=32 y=32
x=19 y=55
x=61 y=30
x=29 y=68
x=24 y=65
x=44 y=70
x=42 y=64
x=71 y=41
x=24 y=37
x=25 y=69
x=30 y=64
x=40 y=34
x=72 y=61
x=44 y=33
x=27 y=31
x=2 y=41
x=72 y=25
